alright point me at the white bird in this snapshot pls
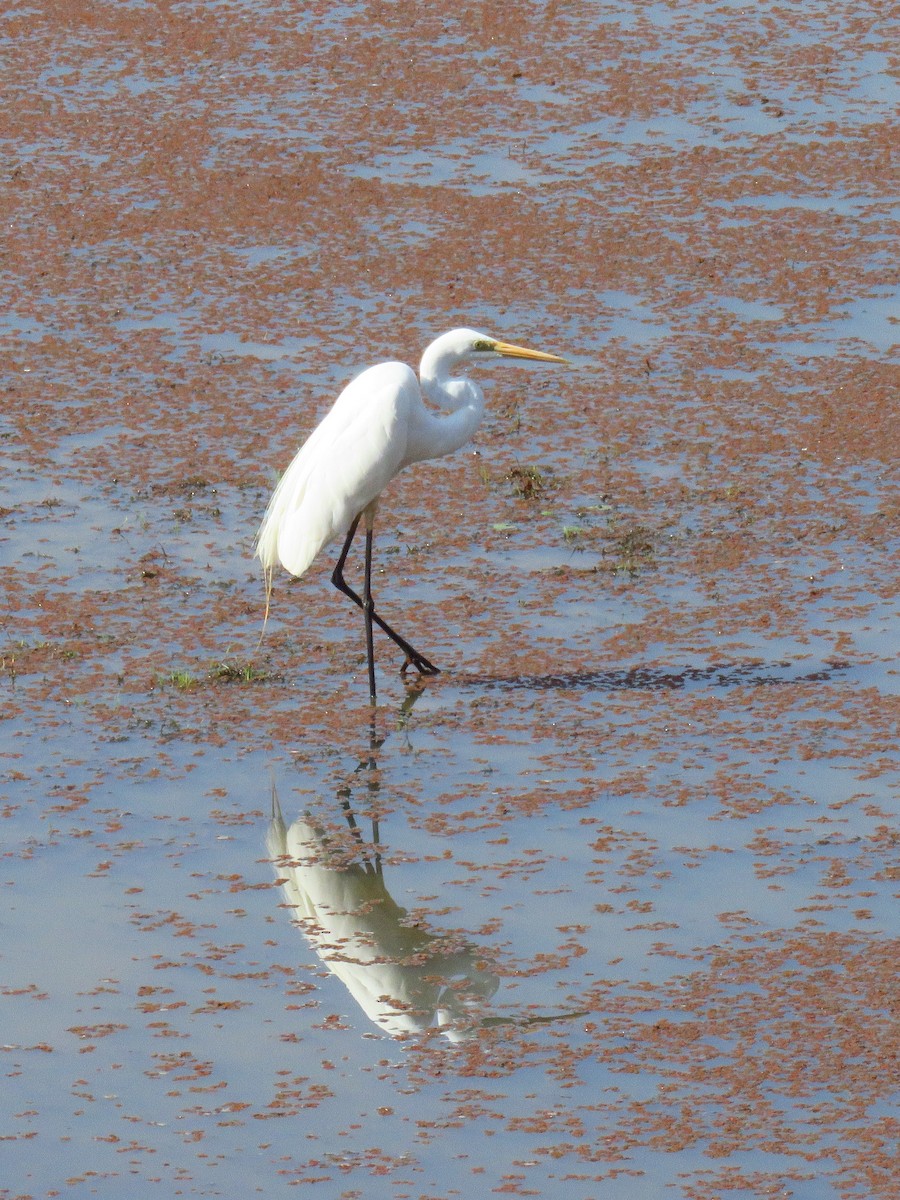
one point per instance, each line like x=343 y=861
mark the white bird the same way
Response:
x=378 y=425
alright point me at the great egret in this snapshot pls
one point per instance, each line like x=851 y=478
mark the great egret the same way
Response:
x=378 y=425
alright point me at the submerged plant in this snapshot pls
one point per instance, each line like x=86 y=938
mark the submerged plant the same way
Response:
x=182 y=680
x=236 y=672
x=634 y=549
x=527 y=482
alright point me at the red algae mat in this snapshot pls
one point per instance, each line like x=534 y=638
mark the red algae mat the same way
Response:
x=609 y=906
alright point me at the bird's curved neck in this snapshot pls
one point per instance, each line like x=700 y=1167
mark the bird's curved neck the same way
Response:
x=439 y=385
x=462 y=400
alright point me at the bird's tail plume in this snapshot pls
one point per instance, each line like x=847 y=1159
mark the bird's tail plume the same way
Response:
x=268 y=578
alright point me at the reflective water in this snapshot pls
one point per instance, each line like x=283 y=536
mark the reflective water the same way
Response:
x=608 y=907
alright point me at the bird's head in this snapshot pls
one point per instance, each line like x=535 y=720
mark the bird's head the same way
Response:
x=460 y=346
x=467 y=345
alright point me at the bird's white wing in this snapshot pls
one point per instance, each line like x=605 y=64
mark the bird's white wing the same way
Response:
x=346 y=462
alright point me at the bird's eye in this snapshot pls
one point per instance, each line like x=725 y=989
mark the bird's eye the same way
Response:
x=483 y=344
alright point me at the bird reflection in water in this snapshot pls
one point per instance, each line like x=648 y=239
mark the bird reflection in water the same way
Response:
x=402 y=976
x=405 y=977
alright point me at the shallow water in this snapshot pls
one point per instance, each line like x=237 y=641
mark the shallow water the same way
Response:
x=608 y=907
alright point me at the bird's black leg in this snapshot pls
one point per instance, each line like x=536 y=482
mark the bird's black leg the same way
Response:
x=337 y=575
x=413 y=657
x=368 y=610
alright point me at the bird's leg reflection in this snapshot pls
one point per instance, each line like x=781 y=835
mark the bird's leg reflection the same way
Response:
x=372 y=867
x=413 y=657
x=369 y=763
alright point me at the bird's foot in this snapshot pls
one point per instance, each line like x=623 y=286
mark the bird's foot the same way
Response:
x=418 y=663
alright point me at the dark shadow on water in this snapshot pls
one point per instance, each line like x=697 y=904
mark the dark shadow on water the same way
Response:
x=667 y=679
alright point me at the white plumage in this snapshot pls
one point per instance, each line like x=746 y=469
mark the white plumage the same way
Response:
x=378 y=425
x=345 y=464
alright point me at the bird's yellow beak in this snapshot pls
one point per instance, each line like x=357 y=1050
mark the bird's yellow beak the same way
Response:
x=510 y=351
